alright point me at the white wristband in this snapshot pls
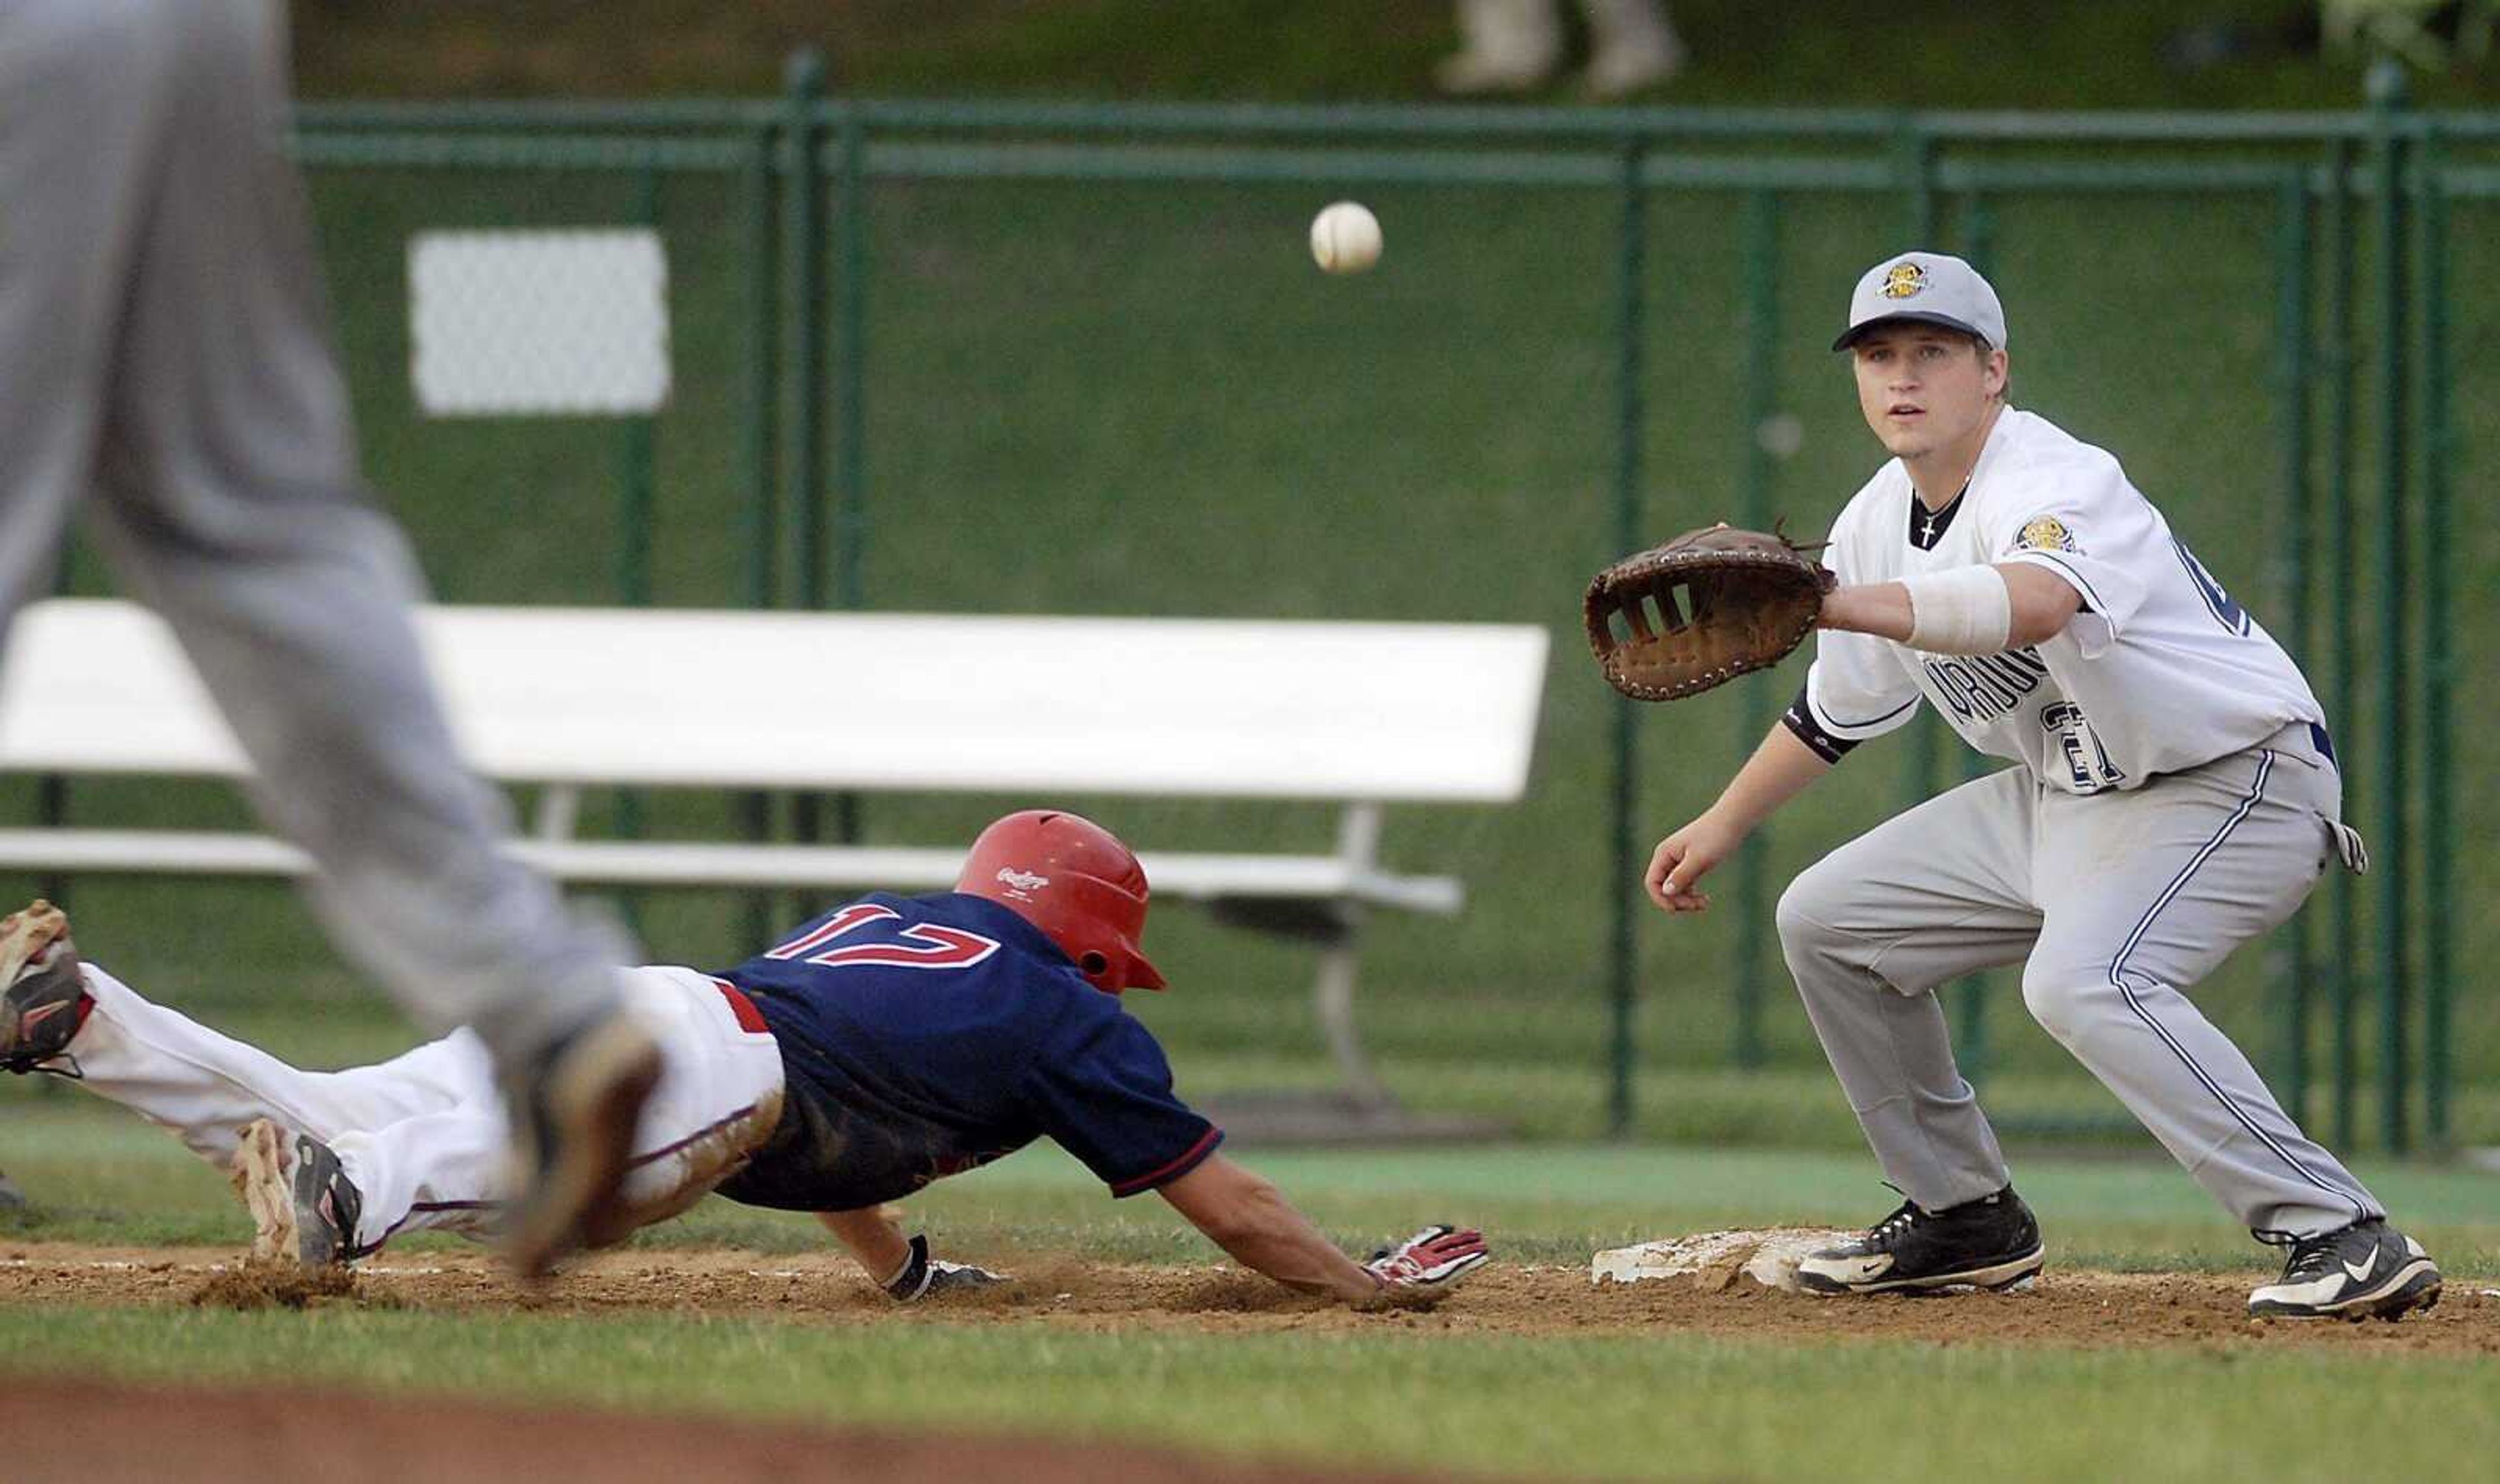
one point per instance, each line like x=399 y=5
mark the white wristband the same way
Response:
x=1961 y=610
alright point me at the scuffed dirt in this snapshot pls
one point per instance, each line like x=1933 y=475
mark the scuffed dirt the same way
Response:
x=2066 y=1307
x=259 y=1283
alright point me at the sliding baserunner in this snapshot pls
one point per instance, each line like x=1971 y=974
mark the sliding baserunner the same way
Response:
x=890 y=1042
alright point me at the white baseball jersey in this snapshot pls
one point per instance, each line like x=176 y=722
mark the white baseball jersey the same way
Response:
x=2160 y=672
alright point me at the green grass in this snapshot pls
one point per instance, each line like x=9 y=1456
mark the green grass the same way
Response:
x=100 y=1175
x=1402 y=1394
x=1670 y=1406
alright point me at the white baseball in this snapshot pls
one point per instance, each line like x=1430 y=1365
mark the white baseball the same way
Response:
x=1345 y=237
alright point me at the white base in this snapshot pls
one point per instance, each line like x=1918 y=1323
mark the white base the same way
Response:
x=1714 y=1259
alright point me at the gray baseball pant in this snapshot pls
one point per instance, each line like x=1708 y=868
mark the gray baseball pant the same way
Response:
x=2115 y=904
x=165 y=345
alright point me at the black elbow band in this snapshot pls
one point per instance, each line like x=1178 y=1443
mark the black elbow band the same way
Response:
x=1798 y=718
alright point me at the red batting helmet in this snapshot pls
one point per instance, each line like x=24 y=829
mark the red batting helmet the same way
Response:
x=1075 y=880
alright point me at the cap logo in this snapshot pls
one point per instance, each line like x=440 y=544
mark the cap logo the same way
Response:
x=1021 y=883
x=1903 y=281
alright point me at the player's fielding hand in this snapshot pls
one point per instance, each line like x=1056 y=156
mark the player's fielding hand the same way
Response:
x=1424 y=1268
x=1683 y=859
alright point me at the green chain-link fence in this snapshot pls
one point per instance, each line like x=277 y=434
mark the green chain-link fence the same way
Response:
x=1013 y=357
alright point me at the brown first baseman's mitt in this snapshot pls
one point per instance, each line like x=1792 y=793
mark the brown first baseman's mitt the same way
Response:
x=1701 y=610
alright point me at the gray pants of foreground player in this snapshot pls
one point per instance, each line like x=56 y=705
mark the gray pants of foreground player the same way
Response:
x=2113 y=905
x=164 y=346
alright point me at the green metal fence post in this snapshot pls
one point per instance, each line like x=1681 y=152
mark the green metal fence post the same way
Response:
x=2291 y=585
x=2390 y=539
x=634 y=435
x=2344 y=601
x=1971 y=991
x=850 y=546
x=2438 y=677
x=803 y=260
x=760 y=585
x=1625 y=889
x=52 y=789
x=634 y=451
x=1761 y=250
x=760 y=580
x=850 y=209
x=1914 y=160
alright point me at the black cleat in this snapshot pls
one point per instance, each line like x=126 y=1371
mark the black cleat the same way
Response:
x=303 y=1210
x=2367 y=1269
x=574 y=1108
x=1990 y=1243
x=44 y=1001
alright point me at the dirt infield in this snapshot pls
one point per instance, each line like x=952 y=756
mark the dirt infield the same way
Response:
x=2094 y=1309
x=97 y=1432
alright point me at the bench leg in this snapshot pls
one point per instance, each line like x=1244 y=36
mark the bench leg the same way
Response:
x=1333 y=997
x=1357 y=842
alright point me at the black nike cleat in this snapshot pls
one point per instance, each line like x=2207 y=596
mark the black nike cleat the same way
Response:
x=44 y=1001
x=2367 y=1269
x=1990 y=1243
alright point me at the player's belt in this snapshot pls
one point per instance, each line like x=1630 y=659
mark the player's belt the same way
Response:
x=750 y=1018
x=2325 y=744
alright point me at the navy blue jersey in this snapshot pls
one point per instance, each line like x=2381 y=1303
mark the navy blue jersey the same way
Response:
x=925 y=1036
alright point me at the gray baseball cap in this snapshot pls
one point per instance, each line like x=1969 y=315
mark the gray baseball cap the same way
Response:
x=1925 y=289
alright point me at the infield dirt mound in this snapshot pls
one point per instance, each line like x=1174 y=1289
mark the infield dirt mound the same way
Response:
x=2066 y=1307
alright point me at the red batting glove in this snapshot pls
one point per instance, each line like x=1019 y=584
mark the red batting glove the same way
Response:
x=1427 y=1265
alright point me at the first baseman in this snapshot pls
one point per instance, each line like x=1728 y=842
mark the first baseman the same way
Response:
x=2174 y=794
x=889 y=1042
x=165 y=348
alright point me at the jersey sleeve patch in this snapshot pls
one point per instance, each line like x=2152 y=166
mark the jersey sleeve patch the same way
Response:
x=2046 y=533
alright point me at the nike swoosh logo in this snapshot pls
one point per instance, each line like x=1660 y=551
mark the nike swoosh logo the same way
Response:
x=2362 y=1274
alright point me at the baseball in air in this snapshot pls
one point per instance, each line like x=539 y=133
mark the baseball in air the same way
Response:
x=1345 y=237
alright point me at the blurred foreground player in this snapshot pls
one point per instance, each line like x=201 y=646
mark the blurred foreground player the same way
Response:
x=885 y=1044
x=164 y=345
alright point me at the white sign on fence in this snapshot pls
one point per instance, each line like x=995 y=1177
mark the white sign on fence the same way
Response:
x=539 y=322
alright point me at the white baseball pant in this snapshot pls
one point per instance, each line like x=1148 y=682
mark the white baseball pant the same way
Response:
x=423 y=1135
x=2115 y=903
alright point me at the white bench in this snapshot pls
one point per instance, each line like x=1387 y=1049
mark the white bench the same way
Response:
x=1360 y=714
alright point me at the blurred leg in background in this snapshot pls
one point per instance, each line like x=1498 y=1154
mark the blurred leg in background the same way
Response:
x=1515 y=46
x=164 y=342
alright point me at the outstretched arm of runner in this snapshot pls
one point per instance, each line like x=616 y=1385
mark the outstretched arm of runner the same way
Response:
x=1252 y=1220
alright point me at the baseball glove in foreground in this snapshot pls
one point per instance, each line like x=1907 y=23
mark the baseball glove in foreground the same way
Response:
x=1707 y=607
